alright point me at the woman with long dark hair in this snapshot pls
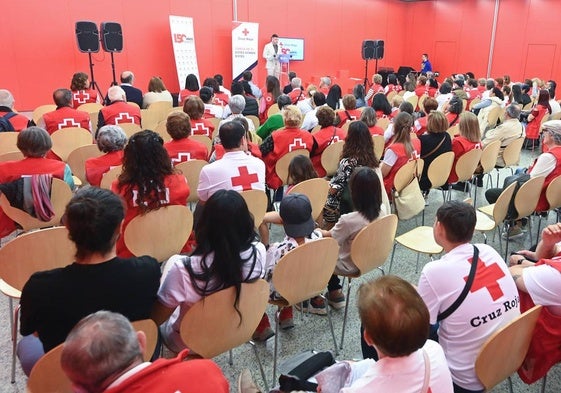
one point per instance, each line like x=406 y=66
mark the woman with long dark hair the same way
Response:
x=541 y=109
x=269 y=96
x=148 y=180
x=227 y=254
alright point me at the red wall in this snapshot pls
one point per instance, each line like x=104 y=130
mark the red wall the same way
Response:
x=42 y=52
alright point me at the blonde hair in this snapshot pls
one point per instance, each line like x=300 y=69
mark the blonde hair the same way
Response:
x=469 y=127
x=437 y=122
x=292 y=116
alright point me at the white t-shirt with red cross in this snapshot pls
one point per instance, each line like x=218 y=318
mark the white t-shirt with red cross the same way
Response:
x=491 y=303
x=543 y=284
x=235 y=171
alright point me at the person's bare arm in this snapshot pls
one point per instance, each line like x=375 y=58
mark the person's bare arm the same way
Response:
x=516 y=272
x=548 y=245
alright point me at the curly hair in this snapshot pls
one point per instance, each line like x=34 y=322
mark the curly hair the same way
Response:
x=145 y=166
x=79 y=81
x=359 y=145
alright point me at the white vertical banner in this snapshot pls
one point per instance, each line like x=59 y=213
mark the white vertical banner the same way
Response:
x=244 y=47
x=183 y=40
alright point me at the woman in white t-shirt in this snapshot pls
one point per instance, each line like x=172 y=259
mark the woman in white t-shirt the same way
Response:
x=226 y=246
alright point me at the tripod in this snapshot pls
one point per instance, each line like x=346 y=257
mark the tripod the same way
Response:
x=113 y=69
x=366 y=81
x=93 y=83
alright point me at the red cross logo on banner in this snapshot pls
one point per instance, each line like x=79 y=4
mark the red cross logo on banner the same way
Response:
x=124 y=117
x=487 y=277
x=81 y=97
x=200 y=129
x=296 y=144
x=180 y=158
x=68 y=123
x=245 y=32
x=245 y=179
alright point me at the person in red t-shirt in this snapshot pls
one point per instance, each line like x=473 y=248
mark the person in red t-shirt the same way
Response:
x=111 y=140
x=350 y=112
x=368 y=116
x=181 y=148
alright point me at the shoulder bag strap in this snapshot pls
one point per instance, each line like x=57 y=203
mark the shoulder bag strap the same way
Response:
x=425 y=387
x=454 y=306
x=436 y=148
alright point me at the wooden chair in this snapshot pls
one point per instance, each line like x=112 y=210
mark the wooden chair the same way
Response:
x=421 y=102
x=175 y=109
x=493 y=117
x=495 y=214
x=273 y=109
x=254 y=119
x=161 y=129
x=66 y=140
x=474 y=102
x=192 y=170
x=453 y=131
x=150 y=119
x=296 y=281
x=90 y=107
x=330 y=157
x=315 y=129
x=528 y=106
x=60 y=196
x=216 y=123
x=47 y=375
x=421 y=240
x=159 y=233
x=503 y=353
x=27 y=254
x=347 y=124
x=383 y=122
x=8 y=141
x=212 y=326
x=130 y=128
x=281 y=167
x=465 y=167
x=256 y=201
x=110 y=176
x=379 y=144
x=391 y=95
x=160 y=108
x=369 y=250
x=488 y=160
x=439 y=171
x=11 y=156
x=413 y=100
x=40 y=111
x=511 y=155
x=316 y=190
x=77 y=160
x=553 y=196
x=205 y=140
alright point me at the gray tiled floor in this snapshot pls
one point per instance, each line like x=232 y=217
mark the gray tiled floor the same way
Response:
x=310 y=332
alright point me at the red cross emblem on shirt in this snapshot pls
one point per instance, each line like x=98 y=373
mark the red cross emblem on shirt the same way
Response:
x=296 y=144
x=245 y=32
x=68 y=123
x=124 y=117
x=81 y=96
x=245 y=179
x=200 y=129
x=487 y=277
x=181 y=157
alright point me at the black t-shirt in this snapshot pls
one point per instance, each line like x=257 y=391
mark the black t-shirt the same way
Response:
x=53 y=301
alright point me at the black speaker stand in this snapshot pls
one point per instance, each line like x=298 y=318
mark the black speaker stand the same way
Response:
x=113 y=69
x=93 y=83
x=365 y=74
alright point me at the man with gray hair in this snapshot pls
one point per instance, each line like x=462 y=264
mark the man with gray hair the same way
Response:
x=133 y=94
x=64 y=116
x=236 y=104
x=111 y=140
x=509 y=130
x=119 y=111
x=297 y=93
x=103 y=353
x=10 y=120
x=324 y=84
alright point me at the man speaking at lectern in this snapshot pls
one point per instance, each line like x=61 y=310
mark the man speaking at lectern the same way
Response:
x=271 y=53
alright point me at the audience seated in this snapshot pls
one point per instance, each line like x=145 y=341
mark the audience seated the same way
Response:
x=269 y=96
x=349 y=113
x=211 y=109
x=468 y=139
x=191 y=89
x=156 y=92
x=236 y=106
x=111 y=140
x=182 y=148
x=118 y=111
x=275 y=121
x=64 y=116
x=326 y=135
x=195 y=108
x=433 y=143
x=82 y=93
x=132 y=93
x=506 y=132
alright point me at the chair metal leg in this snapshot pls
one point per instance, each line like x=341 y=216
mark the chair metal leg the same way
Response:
x=11 y=305
x=544 y=380
x=277 y=322
x=417 y=264
x=14 y=343
x=263 y=377
x=346 y=310
x=391 y=260
x=230 y=358
x=331 y=323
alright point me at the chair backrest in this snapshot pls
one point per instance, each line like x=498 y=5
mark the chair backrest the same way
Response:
x=8 y=141
x=216 y=122
x=150 y=119
x=383 y=122
x=161 y=129
x=192 y=170
x=273 y=109
x=316 y=190
x=34 y=251
x=511 y=153
x=379 y=144
x=205 y=140
x=421 y=102
x=281 y=167
x=303 y=272
x=60 y=196
x=330 y=157
x=47 y=375
x=553 y=193
x=527 y=197
x=77 y=160
x=500 y=210
x=453 y=131
x=467 y=163
x=11 y=156
x=110 y=176
x=175 y=109
x=404 y=175
x=489 y=156
x=130 y=128
x=257 y=202
x=413 y=100
x=372 y=245
x=66 y=140
x=40 y=111
x=162 y=107
x=347 y=125
x=503 y=352
x=212 y=326
x=473 y=102
x=493 y=116
x=159 y=233
x=90 y=107
x=254 y=119
x=315 y=129
x=439 y=169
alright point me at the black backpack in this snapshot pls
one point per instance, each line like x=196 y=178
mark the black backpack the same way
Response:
x=5 y=124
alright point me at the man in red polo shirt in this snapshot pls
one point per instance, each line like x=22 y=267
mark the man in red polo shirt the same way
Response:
x=64 y=116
